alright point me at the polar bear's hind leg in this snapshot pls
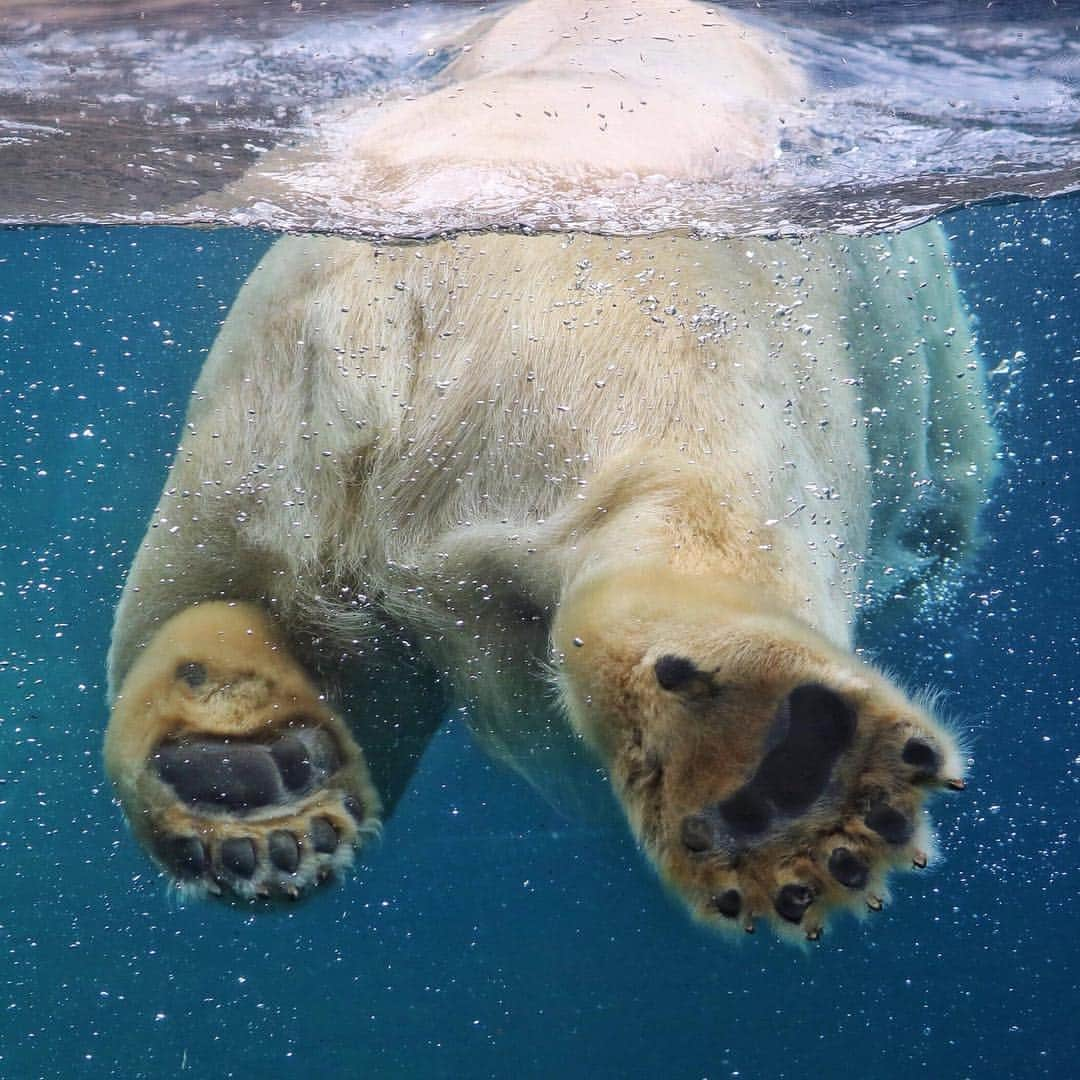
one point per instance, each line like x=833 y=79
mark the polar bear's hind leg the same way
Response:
x=232 y=770
x=767 y=773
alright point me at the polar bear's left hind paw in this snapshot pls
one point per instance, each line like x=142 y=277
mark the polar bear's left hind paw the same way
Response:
x=256 y=819
x=232 y=770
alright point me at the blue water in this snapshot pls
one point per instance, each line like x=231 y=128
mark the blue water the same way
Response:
x=487 y=935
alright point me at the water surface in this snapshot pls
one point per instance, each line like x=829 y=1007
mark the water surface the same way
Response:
x=149 y=112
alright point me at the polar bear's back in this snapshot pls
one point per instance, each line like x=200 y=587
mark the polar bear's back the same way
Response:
x=547 y=107
x=663 y=88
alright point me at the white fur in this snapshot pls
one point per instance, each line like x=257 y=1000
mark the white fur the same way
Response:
x=554 y=107
x=426 y=435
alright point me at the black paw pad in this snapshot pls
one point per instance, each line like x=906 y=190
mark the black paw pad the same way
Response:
x=920 y=754
x=238 y=775
x=324 y=837
x=232 y=776
x=293 y=760
x=728 y=903
x=891 y=825
x=813 y=726
x=186 y=855
x=193 y=673
x=820 y=726
x=238 y=856
x=674 y=671
x=792 y=901
x=848 y=868
x=746 y=811
x=284 y=851
x=937 y=530
x=679 y=675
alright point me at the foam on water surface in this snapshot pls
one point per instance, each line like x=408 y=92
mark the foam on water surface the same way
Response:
x=153 y=115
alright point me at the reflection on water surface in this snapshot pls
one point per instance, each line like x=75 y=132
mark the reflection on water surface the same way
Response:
x=139 y=113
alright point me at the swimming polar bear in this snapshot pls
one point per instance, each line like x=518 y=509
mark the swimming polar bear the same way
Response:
x=633 y=489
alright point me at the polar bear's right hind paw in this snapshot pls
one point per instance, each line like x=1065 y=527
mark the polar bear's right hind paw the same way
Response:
x=818 y=826
x=768 y=774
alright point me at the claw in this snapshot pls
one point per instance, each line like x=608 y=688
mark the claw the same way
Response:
x=874 y=903
x=749 y=927
x=919 y=860
x=814 y=935
x=955 y=784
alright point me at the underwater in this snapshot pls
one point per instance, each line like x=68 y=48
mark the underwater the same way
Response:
x=150 y=158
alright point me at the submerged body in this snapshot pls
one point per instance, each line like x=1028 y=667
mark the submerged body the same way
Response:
x=636 y=487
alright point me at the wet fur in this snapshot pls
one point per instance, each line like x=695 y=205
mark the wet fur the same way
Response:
x=461 y=465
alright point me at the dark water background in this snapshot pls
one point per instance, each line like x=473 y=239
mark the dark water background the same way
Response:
x=487 y=936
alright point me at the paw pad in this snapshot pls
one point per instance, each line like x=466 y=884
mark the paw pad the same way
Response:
x=241 y=776
x=792 y=901
x=238 y=856
x=848 y=869
x=269 y=818
x=833 y=804
x=230 y=766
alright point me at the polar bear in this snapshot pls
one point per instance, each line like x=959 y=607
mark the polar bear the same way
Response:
x=631 y=489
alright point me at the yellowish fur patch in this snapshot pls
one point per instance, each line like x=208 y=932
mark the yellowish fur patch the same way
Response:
x=671 y=756
x=250 y=689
